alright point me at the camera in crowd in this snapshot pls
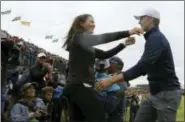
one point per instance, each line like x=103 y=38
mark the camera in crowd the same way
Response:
x=49 y=60
x=43 y=113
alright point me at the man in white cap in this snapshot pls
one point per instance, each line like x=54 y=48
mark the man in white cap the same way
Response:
x=148 y=19
x=164 y=85
x=36 y=73
x=157 y=63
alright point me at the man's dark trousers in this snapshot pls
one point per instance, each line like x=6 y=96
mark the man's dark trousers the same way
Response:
x=162 y=107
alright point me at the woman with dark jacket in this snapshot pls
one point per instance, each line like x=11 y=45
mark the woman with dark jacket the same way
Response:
x=80 y=79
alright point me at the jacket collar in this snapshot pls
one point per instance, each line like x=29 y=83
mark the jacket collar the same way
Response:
x=148 y=33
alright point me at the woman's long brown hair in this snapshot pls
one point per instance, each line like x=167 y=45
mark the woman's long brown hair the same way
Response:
x=75 y=28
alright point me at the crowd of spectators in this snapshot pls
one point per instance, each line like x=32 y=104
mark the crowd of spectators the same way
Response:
x=23 y=67
x=32 y=82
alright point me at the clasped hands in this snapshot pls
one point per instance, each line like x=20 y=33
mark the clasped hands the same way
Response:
x=131 y=40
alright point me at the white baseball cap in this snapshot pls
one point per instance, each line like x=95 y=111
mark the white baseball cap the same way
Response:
x=148 y=12
x=99 y=62
x=27 y=85
x=41 y=55
x=20 y=43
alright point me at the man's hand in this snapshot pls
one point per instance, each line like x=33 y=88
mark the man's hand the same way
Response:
x=103 y=84
x=37 y=114
x=136 y=30
x=129 y=41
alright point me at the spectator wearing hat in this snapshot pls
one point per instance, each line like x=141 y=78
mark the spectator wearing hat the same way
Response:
x=29 y=107
x=36 y=73
x=101 y=67
x=108 y=97
x=116 y=66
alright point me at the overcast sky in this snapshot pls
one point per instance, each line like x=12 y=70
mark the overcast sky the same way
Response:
x=55 y=17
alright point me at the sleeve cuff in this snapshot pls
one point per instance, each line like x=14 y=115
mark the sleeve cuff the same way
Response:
x=126 y=76
x=122 y=45
x=127 y=33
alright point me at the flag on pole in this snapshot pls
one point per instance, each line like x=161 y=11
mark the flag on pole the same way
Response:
x=17 y=18
x=48 y=36
x=25 y=23
x=55 y=40
x=6 y=12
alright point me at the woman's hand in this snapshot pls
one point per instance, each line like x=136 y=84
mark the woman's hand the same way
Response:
x=129 y=41
x=136 y=30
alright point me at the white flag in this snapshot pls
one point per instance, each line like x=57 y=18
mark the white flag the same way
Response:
x=6 y=12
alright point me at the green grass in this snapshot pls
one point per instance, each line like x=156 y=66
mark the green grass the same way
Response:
x=180 y=112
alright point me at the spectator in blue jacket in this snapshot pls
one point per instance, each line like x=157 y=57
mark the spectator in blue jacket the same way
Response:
x=116 y=66
x=102 y=73
x=157 y=63
x=108 y=96
x=29 y=107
